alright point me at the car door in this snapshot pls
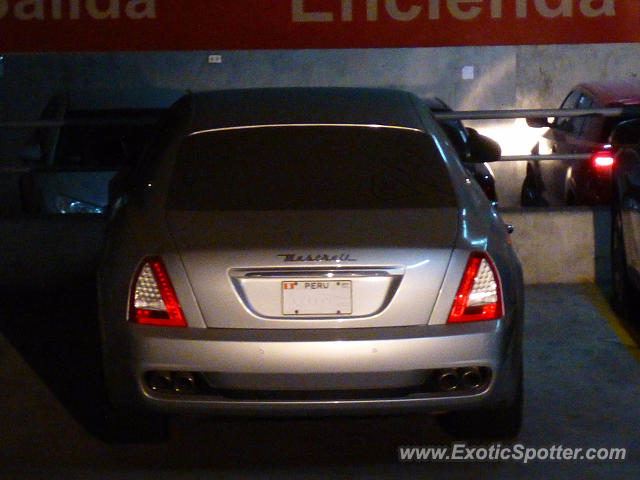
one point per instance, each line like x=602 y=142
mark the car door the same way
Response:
x=558 y=139
x=579 y=139
x=576 y=141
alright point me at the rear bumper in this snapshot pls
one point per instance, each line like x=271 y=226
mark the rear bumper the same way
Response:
x=371 y=361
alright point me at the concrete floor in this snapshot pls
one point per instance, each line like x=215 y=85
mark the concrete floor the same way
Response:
x=582 y=390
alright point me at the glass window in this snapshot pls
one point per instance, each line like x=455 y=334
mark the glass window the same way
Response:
x=564 y=123
x=309 y=167
x=578 y=123
x=571 y=100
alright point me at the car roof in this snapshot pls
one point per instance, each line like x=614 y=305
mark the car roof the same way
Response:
x=611 y=92
x=286 y=106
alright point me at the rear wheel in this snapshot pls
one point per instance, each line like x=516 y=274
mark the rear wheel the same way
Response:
x=499 y=423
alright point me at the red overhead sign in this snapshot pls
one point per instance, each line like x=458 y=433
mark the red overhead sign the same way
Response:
x=134 y=25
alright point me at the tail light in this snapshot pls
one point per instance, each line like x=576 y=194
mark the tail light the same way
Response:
x=604 y=159
x=479 y=295
x=153 y=300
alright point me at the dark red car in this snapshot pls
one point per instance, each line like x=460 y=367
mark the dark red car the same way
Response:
x=578 y=182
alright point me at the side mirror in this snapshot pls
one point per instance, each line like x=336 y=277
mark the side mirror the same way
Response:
x=566 y=126
x=482 y=149
x=538 y=122
x=626 y=134
x=31 y=155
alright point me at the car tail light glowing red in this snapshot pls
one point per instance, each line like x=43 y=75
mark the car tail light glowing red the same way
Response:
x=603 y=159
x=153 y=300
x=479 y=295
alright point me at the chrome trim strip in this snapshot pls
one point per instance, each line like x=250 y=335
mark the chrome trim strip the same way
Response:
x=319 y=272
x=279 y=125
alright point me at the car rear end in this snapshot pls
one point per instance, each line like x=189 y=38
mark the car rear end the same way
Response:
x=310 y=269
x=591 y=179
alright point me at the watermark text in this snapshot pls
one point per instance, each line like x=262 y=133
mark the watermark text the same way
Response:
x=461 y=452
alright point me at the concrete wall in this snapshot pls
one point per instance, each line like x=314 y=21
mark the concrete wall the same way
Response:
x=503 y=77
x=562 y=245
x=545 y=73
x=30 y=80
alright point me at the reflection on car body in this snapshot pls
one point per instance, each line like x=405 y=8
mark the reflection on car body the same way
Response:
x=247 y=198
x=460 y=137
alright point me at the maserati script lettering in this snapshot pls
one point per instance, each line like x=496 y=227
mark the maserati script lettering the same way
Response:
x=293 y=257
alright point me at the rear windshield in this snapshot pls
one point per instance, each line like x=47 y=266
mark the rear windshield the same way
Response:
x=309 y=167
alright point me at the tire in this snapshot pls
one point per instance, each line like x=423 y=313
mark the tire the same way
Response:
x=499 y=423
x=132 y=426
x=529 y=196
x=624 y=297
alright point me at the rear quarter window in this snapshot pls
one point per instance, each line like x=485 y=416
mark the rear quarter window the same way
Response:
x=309 y=167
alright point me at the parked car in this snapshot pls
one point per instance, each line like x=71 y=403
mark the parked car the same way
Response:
x=578 y=182
x=460 y=136
x=625 y=220
x=71 y=165
x=308 y=252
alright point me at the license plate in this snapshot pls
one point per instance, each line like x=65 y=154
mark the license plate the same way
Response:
x=316 y=297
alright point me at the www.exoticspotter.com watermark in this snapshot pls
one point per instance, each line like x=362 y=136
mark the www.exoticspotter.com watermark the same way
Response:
x=461 y=452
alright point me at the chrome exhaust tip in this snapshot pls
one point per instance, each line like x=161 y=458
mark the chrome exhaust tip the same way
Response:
x=160 y=381
x=184 y=382
x=448 y=380
x=172 y=382
x=471 y=378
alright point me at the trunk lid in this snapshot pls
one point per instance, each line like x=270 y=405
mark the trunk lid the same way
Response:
x=315 y=268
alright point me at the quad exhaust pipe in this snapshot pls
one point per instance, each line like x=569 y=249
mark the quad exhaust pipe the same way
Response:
x=449 y=380
x=184 y=382
x=172 y=382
